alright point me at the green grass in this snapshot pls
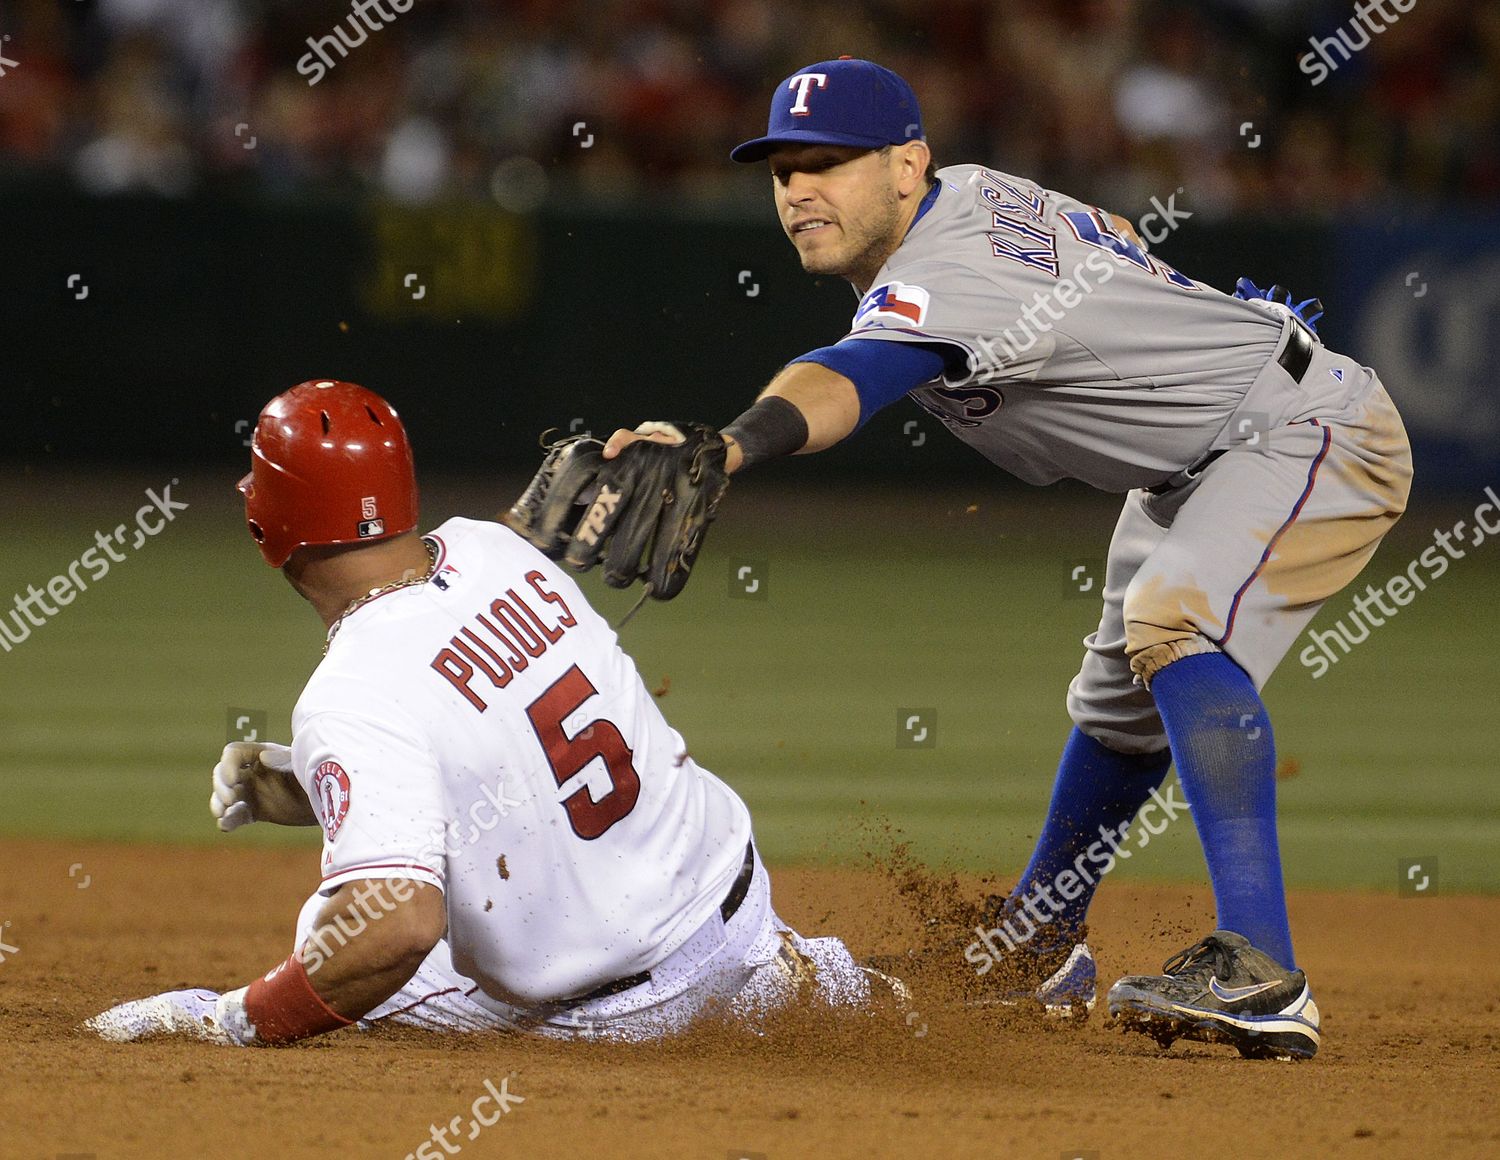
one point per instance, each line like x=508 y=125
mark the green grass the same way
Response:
x=112 y=715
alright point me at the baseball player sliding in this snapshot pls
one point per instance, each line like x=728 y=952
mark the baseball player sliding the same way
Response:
x=1260 y=471
x=514 y=837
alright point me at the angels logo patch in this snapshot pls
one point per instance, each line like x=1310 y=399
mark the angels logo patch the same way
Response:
x=893 y=304
x=331 y=785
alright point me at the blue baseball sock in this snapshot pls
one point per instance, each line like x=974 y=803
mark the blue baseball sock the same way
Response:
x=1096 y=788
x=1226 y=761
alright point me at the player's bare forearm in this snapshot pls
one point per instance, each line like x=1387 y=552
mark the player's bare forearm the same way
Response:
x=825 y=401
x=371 y=937
x=254 y=782
x=828 y=402
x=286 y=801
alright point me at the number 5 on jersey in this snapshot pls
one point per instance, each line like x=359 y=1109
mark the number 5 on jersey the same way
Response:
x=1094 y=229
x=568 y=755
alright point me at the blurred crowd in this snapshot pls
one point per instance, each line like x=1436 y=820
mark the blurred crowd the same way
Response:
x=518 y=100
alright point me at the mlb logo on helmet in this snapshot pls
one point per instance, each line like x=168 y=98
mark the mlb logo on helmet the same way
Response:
x=838 y=102
x=369 y=524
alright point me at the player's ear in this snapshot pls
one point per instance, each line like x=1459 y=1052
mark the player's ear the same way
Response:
x=915 y=157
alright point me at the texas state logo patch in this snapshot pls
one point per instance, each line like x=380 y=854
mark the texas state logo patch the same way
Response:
x=331 y=785
x=892 y=304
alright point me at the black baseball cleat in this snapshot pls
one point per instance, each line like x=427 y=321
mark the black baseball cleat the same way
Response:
x=1222 y=990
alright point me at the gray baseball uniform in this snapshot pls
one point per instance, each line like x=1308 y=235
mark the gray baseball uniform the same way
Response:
x=1086 y=357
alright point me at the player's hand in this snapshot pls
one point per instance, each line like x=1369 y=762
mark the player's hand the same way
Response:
x=254 y=782
x=1126 y=227
x=192 y=1013
x=659 y=432
x=1309 y=311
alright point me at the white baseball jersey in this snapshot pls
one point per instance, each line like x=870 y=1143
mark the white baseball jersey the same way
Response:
x=484 y=733
x=1086 y=357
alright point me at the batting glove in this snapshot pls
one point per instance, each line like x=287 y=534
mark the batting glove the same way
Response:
x=1309 y=311
x=249 y=781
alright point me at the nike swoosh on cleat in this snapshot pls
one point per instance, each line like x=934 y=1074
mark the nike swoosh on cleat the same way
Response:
x=1238 y=994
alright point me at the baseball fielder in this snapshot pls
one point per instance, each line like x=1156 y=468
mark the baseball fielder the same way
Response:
x=1260 y=470
x=514 y=837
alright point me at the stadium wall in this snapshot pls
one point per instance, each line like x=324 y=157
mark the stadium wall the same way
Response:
x=143 y=329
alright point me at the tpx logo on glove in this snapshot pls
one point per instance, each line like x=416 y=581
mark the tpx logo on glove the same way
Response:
x=593 y=524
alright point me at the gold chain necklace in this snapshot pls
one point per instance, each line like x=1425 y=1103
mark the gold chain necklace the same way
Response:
x=408 y=582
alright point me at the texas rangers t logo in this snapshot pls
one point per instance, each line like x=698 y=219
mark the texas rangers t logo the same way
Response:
x=802 y=82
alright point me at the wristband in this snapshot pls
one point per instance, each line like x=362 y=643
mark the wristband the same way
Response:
x=771 y=428
x=282 y=1007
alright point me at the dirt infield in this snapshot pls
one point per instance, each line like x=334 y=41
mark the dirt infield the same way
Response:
x=1408 y=1068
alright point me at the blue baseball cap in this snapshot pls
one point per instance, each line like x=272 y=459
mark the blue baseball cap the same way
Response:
x=838 y=102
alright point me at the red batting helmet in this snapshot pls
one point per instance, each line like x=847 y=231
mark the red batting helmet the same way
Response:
x=329 y=464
